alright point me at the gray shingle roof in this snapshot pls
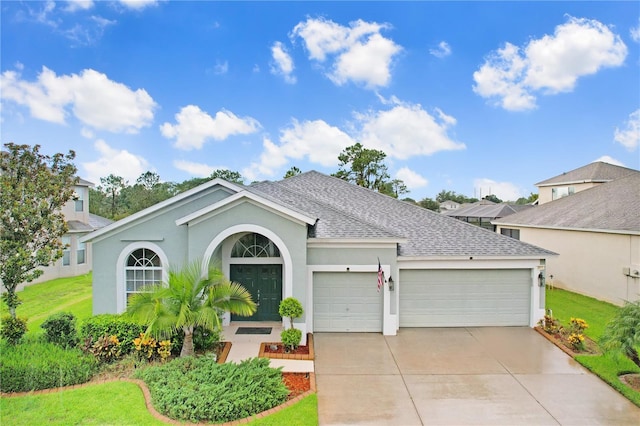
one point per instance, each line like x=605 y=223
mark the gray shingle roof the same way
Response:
x=613 y=206
x=341 y=207
x=97 y=222
x=595 y=172
x=490 y=211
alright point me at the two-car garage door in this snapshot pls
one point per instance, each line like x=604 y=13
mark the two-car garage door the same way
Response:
x=458 y=298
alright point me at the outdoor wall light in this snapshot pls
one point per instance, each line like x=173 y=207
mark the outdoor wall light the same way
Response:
x=541 y=279
x=390 y=282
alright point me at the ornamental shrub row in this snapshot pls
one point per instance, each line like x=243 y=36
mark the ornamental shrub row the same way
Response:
x=200 y=390
x=124 y=329
x=34 y=366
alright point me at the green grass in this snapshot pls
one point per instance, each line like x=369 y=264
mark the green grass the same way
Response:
x=597 y=314
x=115 y=403
x=39 y=301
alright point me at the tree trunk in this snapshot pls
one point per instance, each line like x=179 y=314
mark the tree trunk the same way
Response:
x=632 y=354
x=187 y=345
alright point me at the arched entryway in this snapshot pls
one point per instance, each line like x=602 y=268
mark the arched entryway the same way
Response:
x=258 y=258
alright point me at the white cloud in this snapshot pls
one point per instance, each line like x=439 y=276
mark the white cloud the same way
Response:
x=221 y=67
x=513 y=76
x=90 y=96
x=412 y=179
x=610 y=160
x=282 y=63
x=195 y=169
x=630 y=136
x=194 y=127
x=506 y=191
x=407 y=130
x=138 y=4
x=634 y=32
x=87 y=133
x=75 y=5
x=359 y=53
x=442 y=51
x=401 y=132
x=113 y=161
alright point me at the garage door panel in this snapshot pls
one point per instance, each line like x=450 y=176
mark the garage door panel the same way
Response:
x=346 y=302
x=456 y=298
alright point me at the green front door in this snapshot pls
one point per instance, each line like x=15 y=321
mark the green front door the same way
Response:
x=264 y=282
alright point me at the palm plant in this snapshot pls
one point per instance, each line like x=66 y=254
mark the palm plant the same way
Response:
x=187 y=300
x=623 y=332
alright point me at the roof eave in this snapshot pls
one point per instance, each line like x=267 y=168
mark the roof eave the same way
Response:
x=567 y=228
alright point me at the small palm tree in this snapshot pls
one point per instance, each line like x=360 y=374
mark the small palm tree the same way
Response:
x=623 y=332
x=189 y=299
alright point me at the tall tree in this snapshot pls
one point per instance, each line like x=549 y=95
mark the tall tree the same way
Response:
x=364 y=167
x=453 y=196
x=527 y=200
x=112 y=186
x=188 y=300
x=394 y=188
x=293 y=171
x=429 y=204
x=228 y=175
x=33 y=189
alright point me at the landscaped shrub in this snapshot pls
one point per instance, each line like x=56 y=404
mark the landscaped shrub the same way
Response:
x=149 y=349
x=112 y=325
x=199 y=390
x=13 y=329
x=291 y=338
x=60 y=329
x=34 y=366
x=106 y=349
x=576 y=333
x=291 y=308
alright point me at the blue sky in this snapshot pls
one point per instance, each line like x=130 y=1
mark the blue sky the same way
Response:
x=462 y=96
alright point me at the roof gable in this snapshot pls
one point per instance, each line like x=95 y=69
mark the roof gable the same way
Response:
x=597 y=172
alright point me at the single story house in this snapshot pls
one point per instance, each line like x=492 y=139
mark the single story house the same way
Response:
x=484 y=212
x=322 y=240
x=595 y=229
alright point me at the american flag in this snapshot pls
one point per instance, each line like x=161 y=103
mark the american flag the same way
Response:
x=380 y=276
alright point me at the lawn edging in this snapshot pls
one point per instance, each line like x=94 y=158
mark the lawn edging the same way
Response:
x=149 y=403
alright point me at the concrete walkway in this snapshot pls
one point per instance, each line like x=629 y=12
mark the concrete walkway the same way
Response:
x=245 y=346
x=459 y=376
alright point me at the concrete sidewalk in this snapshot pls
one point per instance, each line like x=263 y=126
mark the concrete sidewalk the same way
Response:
x=245 y=346
x=459 y=376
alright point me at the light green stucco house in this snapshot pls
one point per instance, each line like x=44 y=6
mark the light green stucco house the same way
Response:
x=321 y=239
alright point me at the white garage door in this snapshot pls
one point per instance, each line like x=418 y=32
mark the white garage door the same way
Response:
x=458 y=298
x=346 y=301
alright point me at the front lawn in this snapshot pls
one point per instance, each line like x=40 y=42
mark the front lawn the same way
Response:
x=566 y=305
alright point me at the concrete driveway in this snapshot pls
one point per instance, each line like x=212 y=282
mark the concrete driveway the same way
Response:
x=459 y=376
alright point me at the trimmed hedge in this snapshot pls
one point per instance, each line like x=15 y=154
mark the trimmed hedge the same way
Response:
x=60 y=329
x=35 y=366
x=112 y=325
x=200 y=390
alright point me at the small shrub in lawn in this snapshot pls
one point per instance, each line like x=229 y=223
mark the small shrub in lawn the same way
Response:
x=199 y=390
x=38 y=365
x=113 y=325
x=60 y=329
x=106 y=349
x=13 y=329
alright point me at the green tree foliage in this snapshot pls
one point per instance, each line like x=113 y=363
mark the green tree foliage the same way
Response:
x=228 y=175
x=394 y=188
x=112 y=186
x=362 y=166
x=187 y=300
x=293 y=171
x=429 y=204
x=33 y=189
x=527 y=200
x=623 y=332
x=453 y=196
x=493 y=199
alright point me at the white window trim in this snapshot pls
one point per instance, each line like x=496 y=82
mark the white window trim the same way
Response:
x=121 y=293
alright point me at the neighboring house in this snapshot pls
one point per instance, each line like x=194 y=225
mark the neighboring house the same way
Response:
x=76 y=259
x=321 y=240
x=595 y=231
x=577 y=180
x=449 y=205
x=484 y=212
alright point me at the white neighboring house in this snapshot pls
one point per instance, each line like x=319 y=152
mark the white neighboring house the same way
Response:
x=77 y=255
x=449 y=205
x=590 y=216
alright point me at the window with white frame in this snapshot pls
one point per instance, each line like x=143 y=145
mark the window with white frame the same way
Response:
x=66 y=251
x=254 y=245
x=143 y=269
x=81 y=253
x=562 y=191
x=79 y=202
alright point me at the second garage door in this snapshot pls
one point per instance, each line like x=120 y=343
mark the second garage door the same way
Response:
x=459 y=298
x=346 y=301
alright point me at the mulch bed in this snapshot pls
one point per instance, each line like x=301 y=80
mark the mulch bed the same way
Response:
x=297 y=383
x=632 y=380
x=276 y=350
x=560 y=340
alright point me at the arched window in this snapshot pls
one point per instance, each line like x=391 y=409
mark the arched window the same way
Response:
x=143 y=268
x=254 y=245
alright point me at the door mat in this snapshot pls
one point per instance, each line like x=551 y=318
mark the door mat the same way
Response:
x=253 y=330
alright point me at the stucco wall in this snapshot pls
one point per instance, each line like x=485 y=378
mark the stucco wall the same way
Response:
x=590 y=263
x=545 y=192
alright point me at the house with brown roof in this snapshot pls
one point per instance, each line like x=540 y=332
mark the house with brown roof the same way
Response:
x=595 y=229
